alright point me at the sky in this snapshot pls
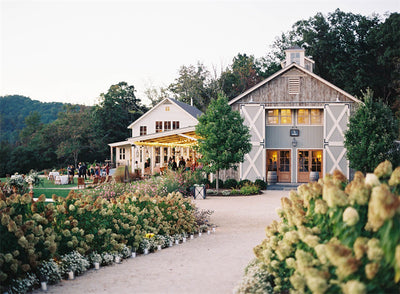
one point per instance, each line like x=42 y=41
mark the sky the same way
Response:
x=72 y=51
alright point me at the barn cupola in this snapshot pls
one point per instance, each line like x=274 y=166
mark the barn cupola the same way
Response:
x=296 y=55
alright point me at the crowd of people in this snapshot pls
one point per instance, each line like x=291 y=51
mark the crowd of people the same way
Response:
x=188 y=164
x=93 y=171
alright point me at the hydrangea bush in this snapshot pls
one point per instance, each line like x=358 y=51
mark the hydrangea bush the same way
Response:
x=337 y=237
x=33 y=232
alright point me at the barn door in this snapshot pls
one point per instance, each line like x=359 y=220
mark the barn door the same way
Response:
x=253 y=166
x=336 y=117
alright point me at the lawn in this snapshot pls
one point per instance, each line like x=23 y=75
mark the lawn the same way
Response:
x=49 y=188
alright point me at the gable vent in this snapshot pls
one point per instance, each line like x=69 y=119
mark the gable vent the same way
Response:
x=294 y=85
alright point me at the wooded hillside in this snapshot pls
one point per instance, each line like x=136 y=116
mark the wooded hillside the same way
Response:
x=15 y=108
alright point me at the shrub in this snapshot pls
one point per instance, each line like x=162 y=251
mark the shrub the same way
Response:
x=230 y=183
x=336 y=237
x=255 y=280
x=33 y=232
x=119 y=174
x=261 y=184
x=249 y=189
x=243 y=182
x=206 y=182
x=50 y=272
x=220 y=183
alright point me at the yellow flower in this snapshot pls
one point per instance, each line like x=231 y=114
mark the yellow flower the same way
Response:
x=320 y=206
x=395 y=177
x=357 y=190
x=360 y=247
x=334 y=196
x=354 y=287
x=315 y=283
x=374 y=251
x=384 y=169
x=350 y=216
x=371 y=269
x=382 y=206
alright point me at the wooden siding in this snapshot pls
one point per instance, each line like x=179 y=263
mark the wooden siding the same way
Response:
x=313 y=92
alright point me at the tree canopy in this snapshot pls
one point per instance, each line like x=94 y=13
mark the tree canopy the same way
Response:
x=224 y=138
x=370 y=138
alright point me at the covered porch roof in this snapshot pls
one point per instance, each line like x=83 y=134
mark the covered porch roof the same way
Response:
x=185 y=137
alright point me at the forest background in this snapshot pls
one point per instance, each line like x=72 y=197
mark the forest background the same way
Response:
x=352 y=51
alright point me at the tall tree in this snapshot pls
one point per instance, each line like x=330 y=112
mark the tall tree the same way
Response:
x=117 y=109
x=74 y=131
x=371 y=136
x=224 y=138
x=193 y=84
x=352 y=51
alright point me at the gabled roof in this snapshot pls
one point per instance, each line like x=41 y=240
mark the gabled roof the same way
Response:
x=190 y=110
x=283 y=70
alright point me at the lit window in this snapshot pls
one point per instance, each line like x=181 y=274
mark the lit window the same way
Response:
x=273 y=116
x=286 y=116
x=316 y=116
x=279 y=116
x=166 y=108
x=159 y=126
x=143 y=130
x=175 y=125
x=167 y=125
x=303 y=117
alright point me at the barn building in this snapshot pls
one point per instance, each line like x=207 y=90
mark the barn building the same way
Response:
x=297 y=122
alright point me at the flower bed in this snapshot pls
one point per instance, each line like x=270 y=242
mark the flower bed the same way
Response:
x=333 y=237
x=33 y=233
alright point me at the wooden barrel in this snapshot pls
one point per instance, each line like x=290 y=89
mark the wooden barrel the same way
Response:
x=314 y=176
x=272 y=177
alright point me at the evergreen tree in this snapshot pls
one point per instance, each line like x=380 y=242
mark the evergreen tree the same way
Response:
x=371 y=136
x=224 y=138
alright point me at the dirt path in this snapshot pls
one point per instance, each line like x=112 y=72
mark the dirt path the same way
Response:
x=208 y=264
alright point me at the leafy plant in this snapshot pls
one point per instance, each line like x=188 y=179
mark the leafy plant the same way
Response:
x=249 y=189
x=261 y=184
x=334 y=236
x=230 y=183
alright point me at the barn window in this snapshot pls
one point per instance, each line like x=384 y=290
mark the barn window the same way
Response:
x=309 y=116
x=294 y=85
x=279 y=116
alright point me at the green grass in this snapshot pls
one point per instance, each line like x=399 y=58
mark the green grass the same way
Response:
x=49 y=188
x=49 y=192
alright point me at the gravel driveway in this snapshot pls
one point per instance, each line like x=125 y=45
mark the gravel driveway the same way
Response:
x=208 y=264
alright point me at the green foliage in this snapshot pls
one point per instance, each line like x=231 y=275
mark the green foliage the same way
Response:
x=220 y=183
x=73 y=227
x=371 y=135
x=244 y=182
x=118 y=108
x=249 y=189
x=261 y=184
x=337 y=237
x=14 y=109
x=194 y=83
x=224 y=138
x=230 y=183
x=352 y=51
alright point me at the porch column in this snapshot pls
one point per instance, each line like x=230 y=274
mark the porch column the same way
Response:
x=111 y=156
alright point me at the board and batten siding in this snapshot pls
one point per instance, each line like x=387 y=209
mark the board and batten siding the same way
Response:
x=310 y=137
